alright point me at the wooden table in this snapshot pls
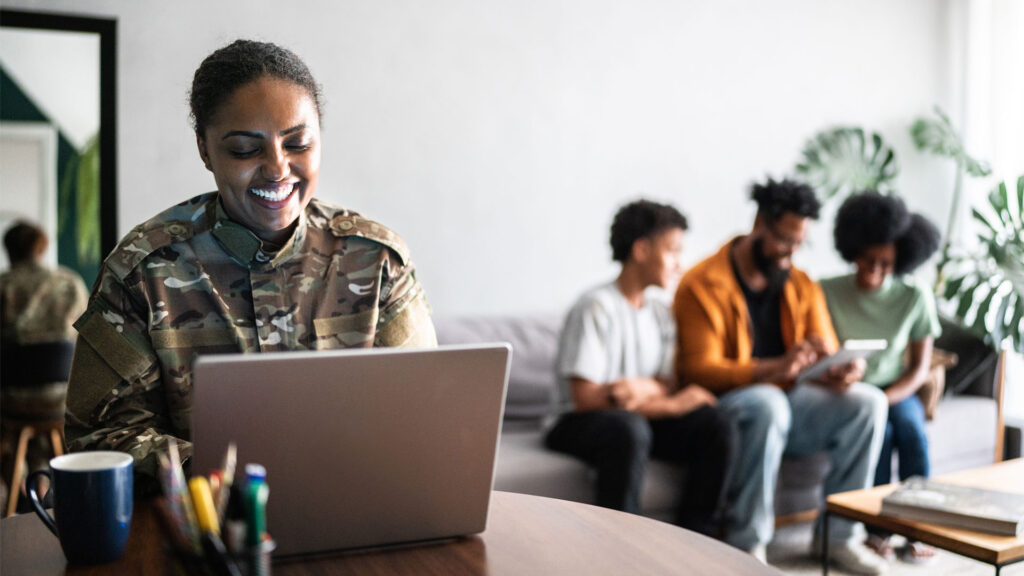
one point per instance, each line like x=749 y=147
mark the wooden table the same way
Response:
x=525 y=535
x=865 y=506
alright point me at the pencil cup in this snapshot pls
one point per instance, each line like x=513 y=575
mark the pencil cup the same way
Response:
x=260 y=558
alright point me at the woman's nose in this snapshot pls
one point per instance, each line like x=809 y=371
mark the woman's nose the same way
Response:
x=275 y=165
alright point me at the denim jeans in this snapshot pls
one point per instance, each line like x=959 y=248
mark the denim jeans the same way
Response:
x=904 y=433
x=807 y=419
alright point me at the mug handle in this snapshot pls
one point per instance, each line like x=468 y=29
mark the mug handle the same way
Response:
x=30 y=487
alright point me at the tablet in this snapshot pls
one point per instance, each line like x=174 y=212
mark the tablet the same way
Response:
x=851 y=350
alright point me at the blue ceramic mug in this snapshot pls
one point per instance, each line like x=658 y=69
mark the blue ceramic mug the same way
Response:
x=92 y=502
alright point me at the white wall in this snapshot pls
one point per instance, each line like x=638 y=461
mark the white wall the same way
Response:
x=499 y=137
x=60 y=73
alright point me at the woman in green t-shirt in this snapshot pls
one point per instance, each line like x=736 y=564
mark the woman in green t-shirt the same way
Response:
x=886 y=242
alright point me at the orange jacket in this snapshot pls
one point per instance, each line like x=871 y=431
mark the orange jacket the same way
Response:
x=714 y=341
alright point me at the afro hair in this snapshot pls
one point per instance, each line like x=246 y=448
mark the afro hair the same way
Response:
x=642 y=219
x=872 y=219
x=916 y=245
x=776 y=198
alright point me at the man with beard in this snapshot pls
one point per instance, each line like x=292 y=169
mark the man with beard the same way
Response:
x=748 y=323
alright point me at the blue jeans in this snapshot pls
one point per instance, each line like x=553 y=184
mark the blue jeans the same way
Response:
x=805 y=420
x=904 y=433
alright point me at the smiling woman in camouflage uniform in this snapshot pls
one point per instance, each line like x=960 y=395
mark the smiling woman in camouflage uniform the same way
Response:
x=257 y=266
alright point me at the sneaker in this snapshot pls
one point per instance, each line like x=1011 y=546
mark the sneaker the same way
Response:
x=852 y=557
x=856 y=558
x=760 y=552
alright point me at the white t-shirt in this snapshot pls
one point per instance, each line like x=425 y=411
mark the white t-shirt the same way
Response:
x=605 y=339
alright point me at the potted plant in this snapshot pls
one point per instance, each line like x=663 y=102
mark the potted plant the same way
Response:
x=936 y=135
x=986 y=283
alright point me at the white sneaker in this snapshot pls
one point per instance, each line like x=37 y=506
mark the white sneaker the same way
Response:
x=760 y=552
x=857 y=558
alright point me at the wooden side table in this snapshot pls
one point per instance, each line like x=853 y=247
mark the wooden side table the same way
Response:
x=865 y=506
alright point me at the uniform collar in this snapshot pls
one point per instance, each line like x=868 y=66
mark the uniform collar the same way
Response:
x=244 y=246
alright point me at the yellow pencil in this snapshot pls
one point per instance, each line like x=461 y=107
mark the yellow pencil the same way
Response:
x=202 y=499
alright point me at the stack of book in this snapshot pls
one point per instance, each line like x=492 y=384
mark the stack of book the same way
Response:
x=924 y=500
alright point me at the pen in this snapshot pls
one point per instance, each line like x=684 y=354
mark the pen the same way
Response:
x=256 y=502
x=177 y=493
x=227 y=477
x=202 y=499
x=213 y=547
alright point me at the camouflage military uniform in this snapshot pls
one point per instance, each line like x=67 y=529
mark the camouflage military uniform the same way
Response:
x=39 y=304
x=190 y=281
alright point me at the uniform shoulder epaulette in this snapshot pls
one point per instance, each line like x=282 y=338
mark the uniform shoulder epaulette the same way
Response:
x=347 y=223
x=176 y=224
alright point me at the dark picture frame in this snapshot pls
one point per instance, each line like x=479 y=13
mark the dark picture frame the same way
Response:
x=107 y=31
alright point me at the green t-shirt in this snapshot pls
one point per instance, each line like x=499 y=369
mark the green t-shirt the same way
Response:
x=900 y=312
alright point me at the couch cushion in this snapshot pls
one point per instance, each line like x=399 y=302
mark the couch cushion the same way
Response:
x=527 y=467
x=963 y=434
x=534 y=340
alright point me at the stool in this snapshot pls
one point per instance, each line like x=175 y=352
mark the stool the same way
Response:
x=26 y=430
x=34 y=386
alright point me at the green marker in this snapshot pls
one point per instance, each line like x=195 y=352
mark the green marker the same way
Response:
x=256 y=503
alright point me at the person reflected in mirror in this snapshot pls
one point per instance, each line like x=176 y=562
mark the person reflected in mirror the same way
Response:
x=259 y=265
x=38 y=305
x=749 y=322
x=881 y=300
x=621 y=402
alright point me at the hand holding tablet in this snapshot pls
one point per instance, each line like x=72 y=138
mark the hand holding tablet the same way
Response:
x=851 y=350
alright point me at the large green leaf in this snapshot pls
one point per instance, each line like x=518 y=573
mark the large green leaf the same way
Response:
x=986 y=285
x=839 y=161
x=936 y=135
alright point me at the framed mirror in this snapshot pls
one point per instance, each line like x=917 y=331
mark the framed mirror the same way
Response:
x=58 y=133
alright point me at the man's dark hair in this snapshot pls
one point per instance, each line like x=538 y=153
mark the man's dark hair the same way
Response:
x=642 y=219
x=776 y=198
x=23 y=241
x=237 y=64
x=871 y=219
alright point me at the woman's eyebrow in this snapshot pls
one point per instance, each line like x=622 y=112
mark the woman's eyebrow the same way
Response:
x=260 y=135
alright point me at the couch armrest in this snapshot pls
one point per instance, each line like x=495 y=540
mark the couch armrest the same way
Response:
x=975 y=372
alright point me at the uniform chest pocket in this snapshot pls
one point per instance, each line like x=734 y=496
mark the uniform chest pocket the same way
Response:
x=204 y=340
x=346 y=331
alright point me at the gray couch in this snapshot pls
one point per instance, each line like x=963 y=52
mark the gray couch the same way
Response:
x=963 y=434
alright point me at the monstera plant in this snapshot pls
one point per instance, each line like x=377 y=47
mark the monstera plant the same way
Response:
x=843 y=160
x=987 y=284
x=936 y=135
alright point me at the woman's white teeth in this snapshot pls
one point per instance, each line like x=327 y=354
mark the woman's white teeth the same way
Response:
x=273 y=195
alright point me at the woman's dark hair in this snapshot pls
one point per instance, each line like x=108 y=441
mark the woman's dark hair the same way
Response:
x=776 y=198
x=237 y=64
x=23 y=241
x=871 y=219
x=917 y=244
x=642 y=219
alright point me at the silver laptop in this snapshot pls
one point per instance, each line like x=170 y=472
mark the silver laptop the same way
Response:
x=362 y=447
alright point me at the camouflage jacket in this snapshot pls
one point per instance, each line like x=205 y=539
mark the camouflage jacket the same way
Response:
x=190 y=281
x=39 y=304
